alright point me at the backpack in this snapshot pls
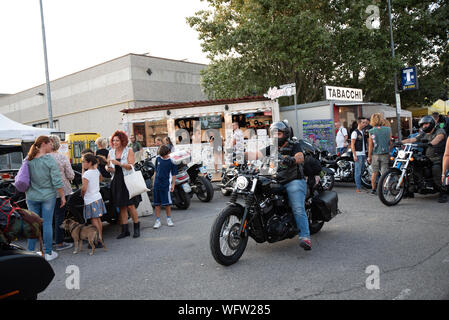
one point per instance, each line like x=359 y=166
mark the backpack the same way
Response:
x=312 y=166
x=22 y=179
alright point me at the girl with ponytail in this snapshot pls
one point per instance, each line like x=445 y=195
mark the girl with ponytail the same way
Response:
x=45 y=183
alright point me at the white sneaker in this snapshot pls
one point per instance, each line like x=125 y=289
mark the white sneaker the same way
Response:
x=170 y=222
x=157 y=224
x=39 y=253
x=51 y=256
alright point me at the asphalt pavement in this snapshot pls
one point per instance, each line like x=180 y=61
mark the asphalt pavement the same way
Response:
x=370 y=251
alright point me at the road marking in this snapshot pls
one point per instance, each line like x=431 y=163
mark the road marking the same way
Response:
x=404 y=293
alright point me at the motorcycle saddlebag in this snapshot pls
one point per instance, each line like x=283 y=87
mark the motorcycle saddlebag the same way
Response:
x=325 y=206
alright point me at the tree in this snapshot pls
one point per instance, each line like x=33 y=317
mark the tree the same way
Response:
x=257 y=44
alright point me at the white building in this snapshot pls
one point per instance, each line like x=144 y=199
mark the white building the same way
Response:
x=90 y=100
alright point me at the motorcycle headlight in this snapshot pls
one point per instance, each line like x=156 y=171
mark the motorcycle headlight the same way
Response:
x=242 y=183
x=401 y=154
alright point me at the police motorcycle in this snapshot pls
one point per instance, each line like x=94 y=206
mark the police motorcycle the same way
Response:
x=263 y=212
x=343 y=167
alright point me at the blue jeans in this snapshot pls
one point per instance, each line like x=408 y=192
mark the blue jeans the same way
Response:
x=341 y=150
x=45 y=210
x=296 y=191
x=359 y=166
x=59 y=216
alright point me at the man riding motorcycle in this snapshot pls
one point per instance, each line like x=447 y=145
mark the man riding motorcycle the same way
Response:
x=291 y=173
x=435 y=150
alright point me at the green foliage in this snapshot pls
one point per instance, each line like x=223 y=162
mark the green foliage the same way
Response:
x=257 y=44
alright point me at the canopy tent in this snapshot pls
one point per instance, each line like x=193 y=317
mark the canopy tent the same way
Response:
x=12 y=130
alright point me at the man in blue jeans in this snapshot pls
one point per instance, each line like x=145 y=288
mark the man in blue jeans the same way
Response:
x=294 y=182
x=358 y=147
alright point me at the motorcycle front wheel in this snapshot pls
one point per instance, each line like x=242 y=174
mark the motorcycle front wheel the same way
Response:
x=366 y=177
x=225 y=246
x=386 y=189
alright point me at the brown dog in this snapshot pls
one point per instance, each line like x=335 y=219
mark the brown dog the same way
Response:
x=81 y=232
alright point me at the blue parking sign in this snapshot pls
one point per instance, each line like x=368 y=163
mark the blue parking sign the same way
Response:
x=409 y=78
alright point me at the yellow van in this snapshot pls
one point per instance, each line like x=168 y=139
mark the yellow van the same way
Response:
x=77 y=142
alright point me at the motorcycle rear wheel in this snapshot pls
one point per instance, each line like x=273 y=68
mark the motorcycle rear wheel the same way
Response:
x=328 y=180
x=205 y=189
x=184 y=201
x=225 y=247
x=386 y=189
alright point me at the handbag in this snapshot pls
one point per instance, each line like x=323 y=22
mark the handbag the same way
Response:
x=135 y=183
x=22 y=179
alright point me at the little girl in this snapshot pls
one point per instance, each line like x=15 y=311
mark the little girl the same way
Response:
x=94 y=206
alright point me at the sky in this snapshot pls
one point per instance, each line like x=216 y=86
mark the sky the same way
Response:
x=84 y=33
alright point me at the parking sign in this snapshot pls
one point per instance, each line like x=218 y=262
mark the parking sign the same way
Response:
x=409 y=78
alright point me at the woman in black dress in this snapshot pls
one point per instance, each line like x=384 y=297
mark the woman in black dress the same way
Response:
x=120 y=161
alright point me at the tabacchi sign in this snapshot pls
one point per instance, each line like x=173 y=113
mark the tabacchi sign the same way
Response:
x=343 y=94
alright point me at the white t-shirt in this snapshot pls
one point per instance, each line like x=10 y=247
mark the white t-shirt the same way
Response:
x=354 y=137
x=93 y=188
x=340 y=139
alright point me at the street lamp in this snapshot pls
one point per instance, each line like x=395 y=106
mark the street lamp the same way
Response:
x=396 y=91
x=50 y=112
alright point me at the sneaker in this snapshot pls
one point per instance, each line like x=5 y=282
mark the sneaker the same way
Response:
x=358 y=191
x=51 y=256
x=170 y=222
x=64 y=246
x=374 y=192
x=305 y=243
x=39 y=253
x=442 y=198
x=157 y=224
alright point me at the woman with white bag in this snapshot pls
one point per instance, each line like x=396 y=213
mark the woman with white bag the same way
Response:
x=120 y=161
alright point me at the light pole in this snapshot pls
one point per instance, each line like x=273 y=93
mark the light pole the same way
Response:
x=50 y=112
x=396 y=91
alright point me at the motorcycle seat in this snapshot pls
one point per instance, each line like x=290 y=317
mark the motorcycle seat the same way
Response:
x=330 y=161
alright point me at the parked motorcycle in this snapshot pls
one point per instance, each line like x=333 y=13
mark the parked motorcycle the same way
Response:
x=265 y=215
x=411 y=173
x=343 y=167
x=200 y=183
x=23 y=274
x=228 y=178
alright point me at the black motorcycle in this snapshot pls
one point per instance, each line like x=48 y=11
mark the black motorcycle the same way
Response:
x=200 y=183
x=23 y=274
x=411 y=173
x=343 y=167
x=265 y=215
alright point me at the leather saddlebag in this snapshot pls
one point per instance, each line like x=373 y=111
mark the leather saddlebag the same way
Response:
x=325 y=206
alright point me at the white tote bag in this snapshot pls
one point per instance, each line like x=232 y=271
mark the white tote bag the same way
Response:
x=135 y=183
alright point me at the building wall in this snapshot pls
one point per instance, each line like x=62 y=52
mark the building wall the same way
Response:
x=91 y=99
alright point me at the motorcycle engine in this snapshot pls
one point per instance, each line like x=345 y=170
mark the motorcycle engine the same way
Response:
x=280 y=227
x=345 y=168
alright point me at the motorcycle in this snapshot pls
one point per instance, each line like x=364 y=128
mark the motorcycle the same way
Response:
x=343 y=167
x=228 y=178
x=411 y=173
x=23 y=274
x=200 y=182
x=265 y=215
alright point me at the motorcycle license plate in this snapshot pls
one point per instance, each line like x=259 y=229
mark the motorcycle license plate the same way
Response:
x=186 y=188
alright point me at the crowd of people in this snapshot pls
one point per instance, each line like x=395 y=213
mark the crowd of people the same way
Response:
x=50 y=185
x=372 y=140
